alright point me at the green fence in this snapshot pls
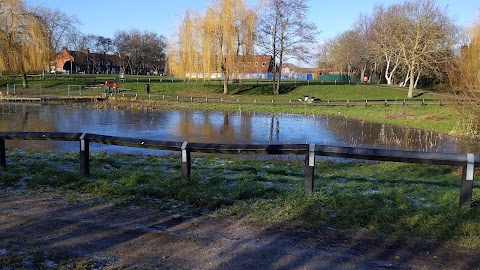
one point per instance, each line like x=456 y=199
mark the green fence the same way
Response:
x=334 y=77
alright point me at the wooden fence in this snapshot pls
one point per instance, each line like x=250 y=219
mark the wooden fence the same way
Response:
x=297 y=102
x=467 y=161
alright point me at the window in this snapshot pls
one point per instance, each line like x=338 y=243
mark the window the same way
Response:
x=264 y=64
x=256 y=64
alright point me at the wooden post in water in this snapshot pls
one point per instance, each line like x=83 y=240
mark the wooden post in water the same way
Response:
x=309 y=169
x=467 y=181
x=84 y=156
x=186 y=163
x=3 y=157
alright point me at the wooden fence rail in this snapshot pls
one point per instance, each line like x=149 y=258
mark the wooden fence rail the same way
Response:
x=314 y=102
x=467 y=161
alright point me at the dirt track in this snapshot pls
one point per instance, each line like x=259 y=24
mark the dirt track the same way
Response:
x=148 y=239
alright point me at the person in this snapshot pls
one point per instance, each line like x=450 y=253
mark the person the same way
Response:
x=115 y=87
x=106 y=86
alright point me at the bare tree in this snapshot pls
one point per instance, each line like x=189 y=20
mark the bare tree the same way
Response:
x=382 y=30
x=141 y=51
x=346 y=53
x=153 y=52
x=365 y=58
x=59 y=27
x=425 y=34
x=23 y=39
x=285 y=33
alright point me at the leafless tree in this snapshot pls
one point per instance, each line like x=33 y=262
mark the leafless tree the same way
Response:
x=59 y=27
x=415 y=39
x=382 y=30
x=141 y=51
x=424 y=37
x=285 y=33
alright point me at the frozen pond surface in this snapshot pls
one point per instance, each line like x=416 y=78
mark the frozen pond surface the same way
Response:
x=213 y=127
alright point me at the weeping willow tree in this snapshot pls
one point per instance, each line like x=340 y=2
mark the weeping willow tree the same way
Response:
x=23 y=40
x=464 y=75
x=210 y=45
x=179 y=54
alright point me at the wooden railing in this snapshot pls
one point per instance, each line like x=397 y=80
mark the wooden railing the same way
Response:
x=467 y=161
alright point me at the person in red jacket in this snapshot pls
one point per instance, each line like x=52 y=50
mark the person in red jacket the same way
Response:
x=115 y=87
x=106 y=87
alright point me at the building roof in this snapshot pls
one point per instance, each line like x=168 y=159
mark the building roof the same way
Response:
x=255 y=63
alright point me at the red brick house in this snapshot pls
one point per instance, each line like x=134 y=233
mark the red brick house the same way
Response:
x=83 y=61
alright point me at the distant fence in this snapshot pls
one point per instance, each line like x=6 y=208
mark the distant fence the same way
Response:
x=300 y=101
x=468 y=161
x=14 y=93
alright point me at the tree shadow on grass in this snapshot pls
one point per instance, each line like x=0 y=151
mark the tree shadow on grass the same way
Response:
x=419 y=94
x=261 y=89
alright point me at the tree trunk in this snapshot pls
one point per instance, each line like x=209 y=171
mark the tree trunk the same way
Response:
x=225 y=84
x=274 y=79
x=417 y=79
x=389 y=75
x=24 y=79
x=277 y=89
x=412 y=82
x=407 y=77
x=362 y=72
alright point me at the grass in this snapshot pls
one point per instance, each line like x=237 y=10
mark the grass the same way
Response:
x=374 y=199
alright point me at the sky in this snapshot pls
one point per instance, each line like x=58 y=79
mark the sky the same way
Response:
x=106 y=17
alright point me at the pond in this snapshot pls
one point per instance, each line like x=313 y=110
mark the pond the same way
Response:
x=214 y=127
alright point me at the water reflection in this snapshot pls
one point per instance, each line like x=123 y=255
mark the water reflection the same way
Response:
x=214 y=127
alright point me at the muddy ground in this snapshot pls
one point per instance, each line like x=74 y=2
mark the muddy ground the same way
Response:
x=138 y=238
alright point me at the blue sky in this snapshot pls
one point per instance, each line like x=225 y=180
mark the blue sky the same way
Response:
x=105 y=17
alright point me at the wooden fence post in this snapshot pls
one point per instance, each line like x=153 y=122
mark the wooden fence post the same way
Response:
x=309 y=169
x=467 y=181
x=186 y=163
x=84 y=156
x=3 y=155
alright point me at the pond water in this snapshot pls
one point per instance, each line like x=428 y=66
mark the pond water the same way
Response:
x=213 y=127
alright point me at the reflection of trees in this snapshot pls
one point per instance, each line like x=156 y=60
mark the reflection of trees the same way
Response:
x=215 y=127
x=202 y=127
x=246 y=124
x=226 y=129
x=21 y=118
x=274 y=128
x=356 y=133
